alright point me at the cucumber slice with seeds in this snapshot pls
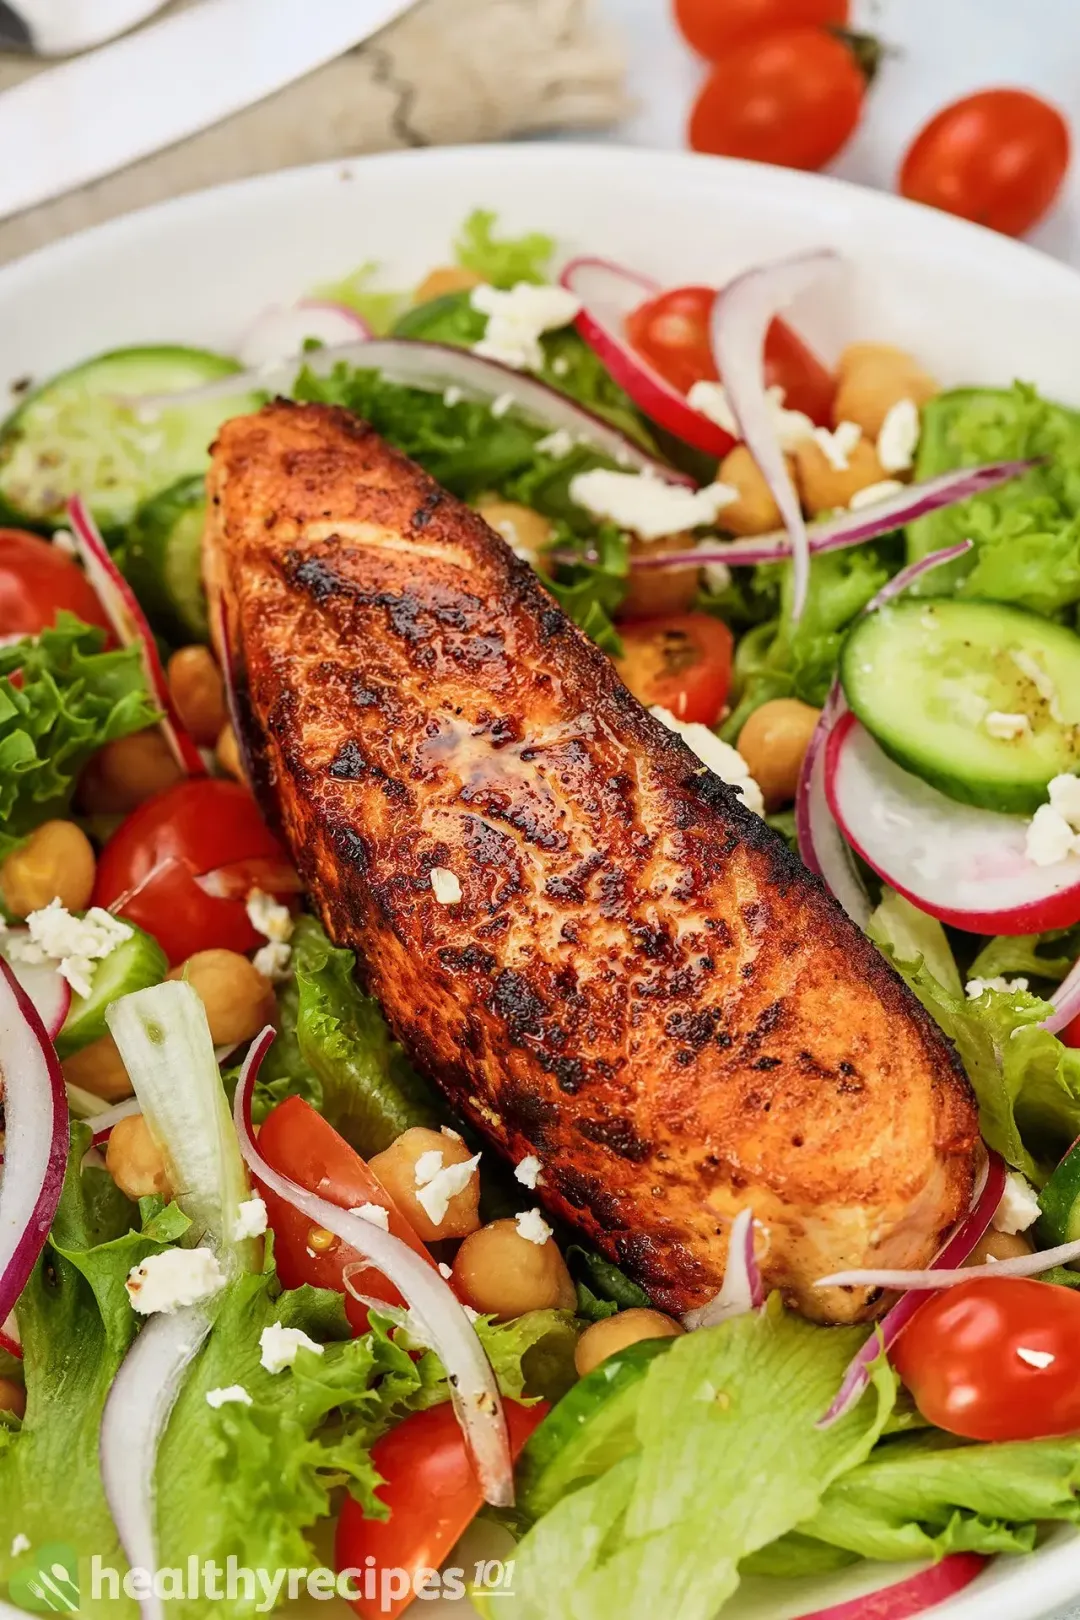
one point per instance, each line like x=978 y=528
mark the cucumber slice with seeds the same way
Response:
x=133 y=965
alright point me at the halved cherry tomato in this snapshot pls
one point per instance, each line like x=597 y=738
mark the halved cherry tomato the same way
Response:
x=681 y=663
x=711 y=26
x=671 y=331
x=791 y=97
x=150 y=866
x=37 y=579
x=997 y=1358
x=433 y=1497
x=299 y=1143
x=998 y=158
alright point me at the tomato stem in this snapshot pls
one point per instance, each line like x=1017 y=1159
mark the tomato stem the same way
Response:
x=869 y=51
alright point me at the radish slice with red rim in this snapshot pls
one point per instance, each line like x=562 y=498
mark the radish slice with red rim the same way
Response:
x=43 y=982
x=129 y=623
x=966 y=866
x=608 y=294
x=911 y=1596
x=280 y=332
x=9 y=1337
x=443 y=1323
x=36 y=1138
x=741 y=1290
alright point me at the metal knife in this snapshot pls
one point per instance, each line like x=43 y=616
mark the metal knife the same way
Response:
x=100 y=112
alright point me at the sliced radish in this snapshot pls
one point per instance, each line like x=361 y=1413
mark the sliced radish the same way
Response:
x=281 y=331
x=741 y=1290
x=9 y=1337
x=129 y=623
x=911 y=1596
x=608 y=294
x=965 y=866
x=43 y=983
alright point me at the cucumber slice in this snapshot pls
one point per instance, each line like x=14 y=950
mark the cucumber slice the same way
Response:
x=133 y=965
x=75 y=434
x=163 y=560
x=925 y=676
x=1060 y=1202
x=590 y=1429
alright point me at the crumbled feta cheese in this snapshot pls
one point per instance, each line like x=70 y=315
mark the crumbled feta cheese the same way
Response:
x=446 y=886
x=647 y=505
x=473 y=1316
x=250 y=1220
x=1019 y=1207
x=975 y=987
x=375 y=1213
x=448 y=1130
x=532 y=1226
x=717 y=577
x=1040 y=1359
x=64 y=541
x=269 y=918
x=560 y=365
x=501 y=405
x=278 y=1346
x=1065 y=799
x=528 y=1171
x=873 y=494
x=427 y=1167
x=899 y=436
x=557 y=444
x=1050 y=839
x=445 y=1271
x=175 y=1277
x=76 y=944
x=274 y=961
x=837 y=446
x=790 y=427
x=19 y=1545
x=1006 y=727
x=434 y=1197
x=723 y=760
x=1040 y=680
x=518 y=318
x=232 y=1394
x=452 y=396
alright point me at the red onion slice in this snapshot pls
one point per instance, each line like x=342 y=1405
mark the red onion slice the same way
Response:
x=44 y=984
x=474 y=1389
x=279 y=333
x=136 y=1412
x=849 y=528
x=911 y=1596
x=915 y=1282
x=608 y=294
x=1065 y=1001
x=9 y=1337
x=102 y=1124
x=435 y=367
x=742 y=315
x=741 y=1290
x=968 y=1234
x=129 y=623
x=36 y=1138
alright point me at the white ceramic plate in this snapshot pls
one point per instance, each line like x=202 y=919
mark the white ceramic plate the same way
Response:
x=973 y=306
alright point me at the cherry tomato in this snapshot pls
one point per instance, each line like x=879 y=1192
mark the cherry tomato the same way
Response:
x=201 y=827
x=1070 y=1035
x=792 y=97
x=299 y=1143
x=433 y=1496
x=37 y=579
x=681 y=663
x=997 y=1358
x=671 y=331
x=711 y=26
x=998 y=158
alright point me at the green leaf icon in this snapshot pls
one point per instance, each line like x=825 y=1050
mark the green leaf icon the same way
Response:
x=47 y=1581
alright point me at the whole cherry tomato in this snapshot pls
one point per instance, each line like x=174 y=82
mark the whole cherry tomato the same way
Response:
x=681 y=663
x=37 y=579
x=998 y=158
x=997 y=1358
x=712 y=26
x=792 y=97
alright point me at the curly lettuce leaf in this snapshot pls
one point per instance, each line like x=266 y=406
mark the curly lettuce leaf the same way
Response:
x=502 y=260
x=70 y=699
x=1028 y=955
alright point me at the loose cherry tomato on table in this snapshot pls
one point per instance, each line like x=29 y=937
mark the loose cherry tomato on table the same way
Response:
x=182 y=864
x=671 y=332
x=792 y=97
x=711 y=26
x=997 y=1358
x=299 y=1143
x=37 y=579
x=433 y=1496
x=998 y=157
x=681 y=663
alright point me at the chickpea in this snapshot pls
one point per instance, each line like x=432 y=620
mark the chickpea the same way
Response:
x=999 y=1246
x=873 y=377
x=773 y=742
x=227 y=752
x=126 y=772
x=55 y=863
x=12 y=1397
x=395 y=1167
x=239 y=1000
x=755 y=511
x=99 y=1068
x=614 y=1333
x=446 y=278
x=198 y=691
x=499 y=1271
x=823 y=487
x=669 y=590
x=135 y=1161
x=525 y=531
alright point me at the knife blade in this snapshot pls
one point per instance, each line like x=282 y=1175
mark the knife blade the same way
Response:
x=100 y=112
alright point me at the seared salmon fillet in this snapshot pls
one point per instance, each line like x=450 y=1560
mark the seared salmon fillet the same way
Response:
x=599 y=954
